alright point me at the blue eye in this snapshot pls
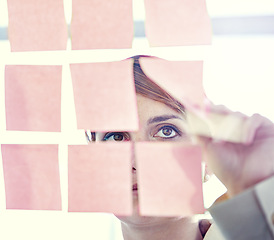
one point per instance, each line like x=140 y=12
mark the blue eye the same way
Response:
x=167 y=132
x=117 y=136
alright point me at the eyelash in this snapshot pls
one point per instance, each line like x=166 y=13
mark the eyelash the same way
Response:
x=112 y=134
x=176 y=130
x=126 y=136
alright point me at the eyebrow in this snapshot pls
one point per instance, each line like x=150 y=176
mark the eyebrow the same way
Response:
x=162 y=118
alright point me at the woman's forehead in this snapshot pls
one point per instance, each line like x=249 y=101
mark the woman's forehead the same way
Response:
x=148 y=108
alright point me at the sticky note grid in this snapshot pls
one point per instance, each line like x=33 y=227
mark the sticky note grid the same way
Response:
x=54 y=84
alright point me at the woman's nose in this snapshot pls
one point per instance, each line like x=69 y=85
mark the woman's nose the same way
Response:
x=133 y=161
x=138 y=137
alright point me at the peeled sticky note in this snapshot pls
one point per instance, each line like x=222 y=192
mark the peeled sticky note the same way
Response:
x=182 y=79
x=177 y=23
x=101 y=24
x=37 y=25
x=104 y=96
x=225 y=126
x=31 y=174
x=100 y=178
x=169 y=179
x=33 y=98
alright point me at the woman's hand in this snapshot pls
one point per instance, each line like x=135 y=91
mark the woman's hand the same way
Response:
x=242 y=165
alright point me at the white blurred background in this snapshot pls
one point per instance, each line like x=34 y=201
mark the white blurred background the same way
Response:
x=238 y=72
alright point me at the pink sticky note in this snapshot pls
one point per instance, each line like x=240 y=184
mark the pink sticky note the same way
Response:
x=33 y=98
x=31 y=175
x=182 y=79
x=100 y=178
x=169 y=179
x=105 y=96
x=177 y=23
x=37 y=25
x=101 y=24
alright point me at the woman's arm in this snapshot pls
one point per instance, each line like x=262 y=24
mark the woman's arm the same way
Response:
x=247 y=170
x=249 y=215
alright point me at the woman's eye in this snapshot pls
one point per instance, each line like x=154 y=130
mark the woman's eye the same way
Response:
x=116 y=136
x=166 y=132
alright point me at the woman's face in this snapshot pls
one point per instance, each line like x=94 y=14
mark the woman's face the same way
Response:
x=157 y=122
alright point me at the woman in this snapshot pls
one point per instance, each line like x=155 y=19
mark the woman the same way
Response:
x=162 y=118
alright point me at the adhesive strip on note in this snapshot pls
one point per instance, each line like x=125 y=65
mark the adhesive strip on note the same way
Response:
x=37 y=25
x=182 y=79
x=100 y=178
x=31 y=174
x=33 y=98
x=101 y=24
x=169 y=179
x=105 y=96
x=177 y=23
